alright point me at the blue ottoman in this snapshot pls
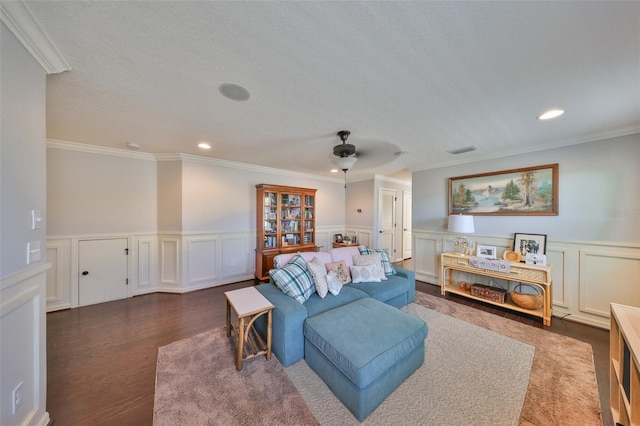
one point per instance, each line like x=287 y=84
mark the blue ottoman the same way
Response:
x=363 y=351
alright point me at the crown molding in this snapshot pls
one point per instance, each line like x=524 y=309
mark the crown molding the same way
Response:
x=101 y=150
x=196 y=159
x=380 y=178
x=595 y=137
x=185 y=158
x=21 y=22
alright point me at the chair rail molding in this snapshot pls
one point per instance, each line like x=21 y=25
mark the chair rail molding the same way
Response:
x=587 y=275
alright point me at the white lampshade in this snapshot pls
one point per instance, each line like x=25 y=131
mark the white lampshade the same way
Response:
x=345 y=163
x=461 y=224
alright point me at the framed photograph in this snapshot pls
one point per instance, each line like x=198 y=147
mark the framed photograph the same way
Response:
x=338 y=238
x=529 y=244
x=489 y=252
x=529 y=191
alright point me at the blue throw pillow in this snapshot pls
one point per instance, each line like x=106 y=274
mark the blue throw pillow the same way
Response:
x=294 y=279
x=387 y=267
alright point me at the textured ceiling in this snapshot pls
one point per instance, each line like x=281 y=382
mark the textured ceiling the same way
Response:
x=417 y=77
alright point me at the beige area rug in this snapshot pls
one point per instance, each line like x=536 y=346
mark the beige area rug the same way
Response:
x=562 y=386
x=197 y=384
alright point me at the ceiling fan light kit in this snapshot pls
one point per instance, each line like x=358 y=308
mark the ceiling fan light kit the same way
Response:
x=345 y=158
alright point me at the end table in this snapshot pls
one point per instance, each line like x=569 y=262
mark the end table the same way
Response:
x=248 y=304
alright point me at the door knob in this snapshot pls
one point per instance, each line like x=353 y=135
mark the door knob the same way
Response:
x=85 y=272
x=381 y=232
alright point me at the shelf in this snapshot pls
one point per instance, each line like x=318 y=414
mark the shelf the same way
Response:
x=455 y=289
x=527 y=274
x=624 y=364
x=285 y=209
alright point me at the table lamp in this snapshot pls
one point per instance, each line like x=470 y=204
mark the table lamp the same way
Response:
x=461 y=224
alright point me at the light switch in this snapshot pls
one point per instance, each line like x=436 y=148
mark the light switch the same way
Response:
x=36 y=219
x=33 y=251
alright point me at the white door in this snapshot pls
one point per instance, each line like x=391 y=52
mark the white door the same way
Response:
x=387 y=221
x=406 y=225
x=102 y=270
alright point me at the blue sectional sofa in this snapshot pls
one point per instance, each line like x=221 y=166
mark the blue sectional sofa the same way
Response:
x=289 y=315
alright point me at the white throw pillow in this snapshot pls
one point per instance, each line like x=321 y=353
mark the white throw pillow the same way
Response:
x=333 y=283
x=365 y=274
x=370 y=259
x=319 y=274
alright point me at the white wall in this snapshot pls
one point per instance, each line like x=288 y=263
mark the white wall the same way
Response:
x=23 y=187
x=94 y=193
x=593 y=245
x=599 y=183
x=190 y=221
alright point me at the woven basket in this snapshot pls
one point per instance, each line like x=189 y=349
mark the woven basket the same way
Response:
x=527 y=300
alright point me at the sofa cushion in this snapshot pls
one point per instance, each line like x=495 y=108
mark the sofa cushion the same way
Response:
x=396 y=285
x=384 y=257
x=341 y=270
x=294 y=279
x=370 y=259
x=367 y=273
x=315 y=305
x=282 y=259
x=319 y=275
x=375 y=338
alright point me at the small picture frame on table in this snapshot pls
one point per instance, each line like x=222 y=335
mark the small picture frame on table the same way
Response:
x=529 y=244
x=488 y=252
x=338 y=238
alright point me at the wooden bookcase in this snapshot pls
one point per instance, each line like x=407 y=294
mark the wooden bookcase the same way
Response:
x=286 y=222
x=625 y=365
x=539 y=276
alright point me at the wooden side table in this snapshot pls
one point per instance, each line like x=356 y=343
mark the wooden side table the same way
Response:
x=248 y=304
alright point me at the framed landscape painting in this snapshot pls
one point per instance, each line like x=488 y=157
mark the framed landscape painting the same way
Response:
x=528 y=191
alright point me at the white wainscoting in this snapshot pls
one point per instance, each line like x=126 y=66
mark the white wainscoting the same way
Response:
x=587 y=276
x=23 y=342
x=364 y=235
x=172 y=263
x=58 y=276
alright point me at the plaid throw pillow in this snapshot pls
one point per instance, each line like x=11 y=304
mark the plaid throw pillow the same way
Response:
x=294 y=279
x=387 y=267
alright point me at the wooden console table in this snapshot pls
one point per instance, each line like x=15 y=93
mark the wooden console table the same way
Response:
x=539 y=276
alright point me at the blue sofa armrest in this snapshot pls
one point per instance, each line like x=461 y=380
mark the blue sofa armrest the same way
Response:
x=411 y=276
x=287 y=338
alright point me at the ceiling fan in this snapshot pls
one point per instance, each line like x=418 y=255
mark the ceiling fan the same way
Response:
x=345 y=152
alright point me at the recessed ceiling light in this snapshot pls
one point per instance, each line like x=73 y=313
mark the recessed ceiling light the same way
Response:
x=334 y=170
x=552 y=113
x=234 y=92
x=204 y=145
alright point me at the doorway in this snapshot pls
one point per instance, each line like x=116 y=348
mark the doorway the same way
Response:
x=102 y=270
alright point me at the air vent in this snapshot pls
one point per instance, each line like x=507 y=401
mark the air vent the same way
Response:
x=463 y=150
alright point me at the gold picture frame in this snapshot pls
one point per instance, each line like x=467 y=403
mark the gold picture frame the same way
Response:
x=528 y=191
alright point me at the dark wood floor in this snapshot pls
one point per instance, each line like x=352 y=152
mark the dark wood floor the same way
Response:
x=101 y=359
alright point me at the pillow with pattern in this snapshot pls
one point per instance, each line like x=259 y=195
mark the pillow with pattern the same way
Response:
x=370 y=259
x=294 y=279
x=341 y=270
x=365 y=274
x=319 y=275
x=387 y=267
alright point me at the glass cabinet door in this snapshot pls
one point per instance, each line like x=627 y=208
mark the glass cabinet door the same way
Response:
x=309 y=219
x=270 y=220
x=290 y=227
